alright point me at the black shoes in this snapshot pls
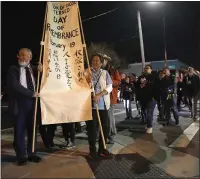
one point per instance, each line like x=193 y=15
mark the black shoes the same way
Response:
x=94 y=156
x=49 y=146
x=105 y=154
x=34 y=159
x=22 y=161
x=101 y=154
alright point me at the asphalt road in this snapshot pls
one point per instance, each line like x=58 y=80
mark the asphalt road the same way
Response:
x=163 y=135
x=166 y=148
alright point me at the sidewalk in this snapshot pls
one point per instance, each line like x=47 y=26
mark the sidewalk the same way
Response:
x=137 y=155
x=140 y=158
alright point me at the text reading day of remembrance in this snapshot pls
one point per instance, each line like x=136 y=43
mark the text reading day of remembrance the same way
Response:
x=61 y=35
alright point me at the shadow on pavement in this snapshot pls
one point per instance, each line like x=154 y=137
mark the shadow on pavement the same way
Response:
x=126 y=166
x=6 y=158
x=155 y=152
x=170 y=138
x=128 y=123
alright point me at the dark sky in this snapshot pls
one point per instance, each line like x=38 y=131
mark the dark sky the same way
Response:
x=22 y=24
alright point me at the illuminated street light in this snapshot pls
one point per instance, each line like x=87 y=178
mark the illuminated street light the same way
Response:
x=153 y=3
x=141 y=35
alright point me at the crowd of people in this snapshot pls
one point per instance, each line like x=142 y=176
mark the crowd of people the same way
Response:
x=146 y=90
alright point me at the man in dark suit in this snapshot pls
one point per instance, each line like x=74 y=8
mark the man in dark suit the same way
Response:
x=21 y=92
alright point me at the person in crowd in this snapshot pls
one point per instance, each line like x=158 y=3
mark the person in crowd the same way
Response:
x=21 y=92
x=127 y=97
x=146 y=93
x=115 y=76
x=168 y=99
x=158 y=96
x=102 y=84
x=51 y=128
x=78 y=127
x=68 y=130
x=192 y=87
x=134 y=84
x=69 y=134
x=179 y=92
x=121 y=87
x=185 y=92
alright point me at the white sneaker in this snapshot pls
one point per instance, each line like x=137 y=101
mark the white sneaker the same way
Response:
x=149 y=130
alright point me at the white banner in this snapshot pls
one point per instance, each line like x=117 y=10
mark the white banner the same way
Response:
x=65 y=94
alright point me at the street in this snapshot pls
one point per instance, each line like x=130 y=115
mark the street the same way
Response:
x=170 y=152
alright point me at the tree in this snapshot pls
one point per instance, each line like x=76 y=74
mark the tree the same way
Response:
x=104 y=48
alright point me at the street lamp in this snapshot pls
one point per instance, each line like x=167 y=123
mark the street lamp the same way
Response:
x=141 y=35
x=153 y=3
x=141 y=40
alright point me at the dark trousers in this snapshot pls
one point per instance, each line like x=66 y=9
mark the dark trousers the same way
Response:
x=138 y=106
x=169 y=105
x=23 y=124
x=92 y=129
x=160 y=108
x=43 y=132
x=51 y=133
x=147 y=109
x=179 y=99
x=189 y=101
x=127 y=104
x=78 y=127
x=194 y=110
x=42 y=128
x=69 y=131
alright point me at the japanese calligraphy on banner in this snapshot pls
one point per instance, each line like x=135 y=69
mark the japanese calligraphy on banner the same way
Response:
x=65 y=94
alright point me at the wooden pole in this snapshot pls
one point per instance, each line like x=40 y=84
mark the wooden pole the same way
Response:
x=85 y=49
x=38 y=78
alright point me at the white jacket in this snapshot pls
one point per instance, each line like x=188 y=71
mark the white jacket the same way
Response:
x=107 y=87
x=104 y=86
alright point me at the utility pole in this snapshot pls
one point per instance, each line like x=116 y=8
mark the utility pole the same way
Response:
x=141 y=40
x=165 y=50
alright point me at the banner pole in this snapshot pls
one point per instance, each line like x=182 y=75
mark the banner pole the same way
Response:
x=85 y=49
x=38 y=78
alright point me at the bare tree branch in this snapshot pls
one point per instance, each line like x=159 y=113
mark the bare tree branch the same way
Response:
x=104 y=48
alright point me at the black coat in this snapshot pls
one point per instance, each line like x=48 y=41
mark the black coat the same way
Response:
x=167 y=86
x=145 y=87
x=15 y=90
x=128 y=91
x=191 y=85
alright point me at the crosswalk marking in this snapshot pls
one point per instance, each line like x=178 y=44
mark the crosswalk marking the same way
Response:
x=184 y=139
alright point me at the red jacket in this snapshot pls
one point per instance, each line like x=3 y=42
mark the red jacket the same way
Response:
x=116 y=79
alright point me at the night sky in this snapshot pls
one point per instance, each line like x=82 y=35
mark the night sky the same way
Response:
x=22 y=24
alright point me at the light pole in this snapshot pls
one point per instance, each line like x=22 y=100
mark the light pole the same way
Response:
x=165 y=42
x=141 y=40
x=141 y=35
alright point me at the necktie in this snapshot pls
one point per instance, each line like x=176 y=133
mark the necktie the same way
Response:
x=29 y=79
